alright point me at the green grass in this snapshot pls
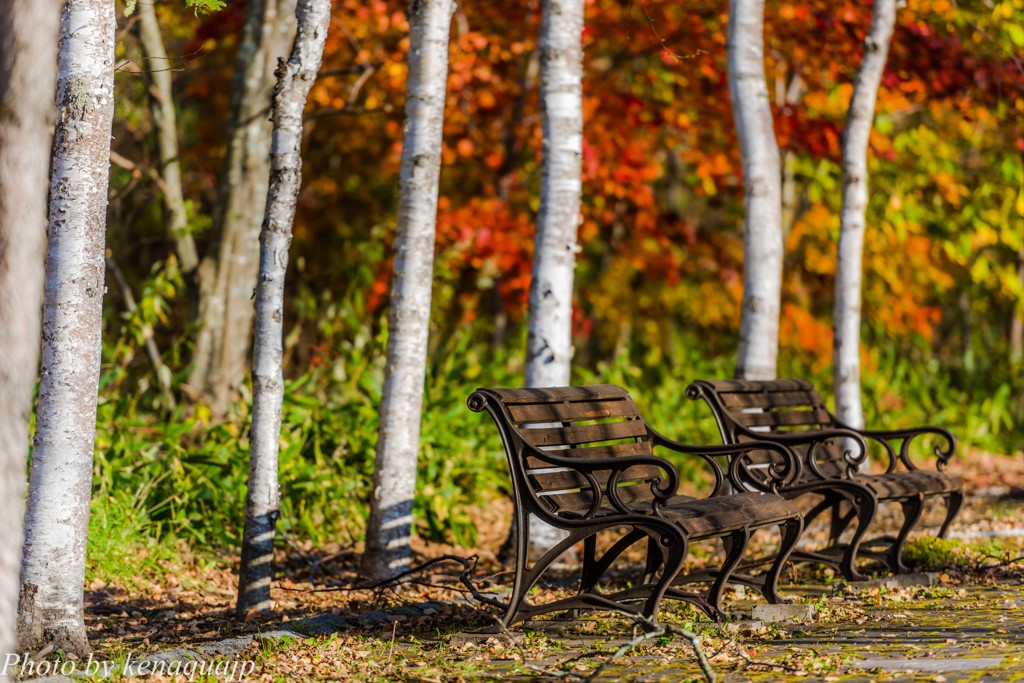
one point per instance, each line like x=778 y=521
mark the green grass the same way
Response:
x=124 y=542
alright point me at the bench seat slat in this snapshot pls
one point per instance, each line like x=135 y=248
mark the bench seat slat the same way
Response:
x=741 y=385
x=608 y=431
x=533 y=413
x=791 y=418
x=619 y=450
x=593 y=392
x=711 y=516
x=771 y=399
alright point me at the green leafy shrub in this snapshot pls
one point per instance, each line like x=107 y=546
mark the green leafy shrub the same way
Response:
x=929 y=552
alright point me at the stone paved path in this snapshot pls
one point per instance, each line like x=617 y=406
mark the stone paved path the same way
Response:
x=941 y=634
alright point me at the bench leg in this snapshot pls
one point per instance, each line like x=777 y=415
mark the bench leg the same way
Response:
x=828 y=500
x=522 y=543
x=594 y=569
x=588 y=573
x=790 y=530
x=672 y=549
x=912 y=508
x=953 y=503
x=866 y=507
x=735 y=544
x=841 y=518
x=653 y=562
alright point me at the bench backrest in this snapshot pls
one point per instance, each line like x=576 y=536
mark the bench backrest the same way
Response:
x=596 y=421
x=771 y=406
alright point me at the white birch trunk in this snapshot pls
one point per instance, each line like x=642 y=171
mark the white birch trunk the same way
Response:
x=389 y=528
x=549 y=319
x=759 y=155
x=228 y=279
x=549 y=343
x=159 y=69
x=28 y=76
x=57 y=517
x=262 y=502
x=846 y=340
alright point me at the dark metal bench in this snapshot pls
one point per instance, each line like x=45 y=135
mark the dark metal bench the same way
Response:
x=582 y=460
x=792 y=412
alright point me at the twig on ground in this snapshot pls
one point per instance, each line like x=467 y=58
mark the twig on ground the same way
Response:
x=511 y=637
x=1001 y=562
x=752 y=662
x=654 y=630
x=725 y=645
x=397 y=579
x=468 y=566
x=561 y=674
x=322 y=561
x=391 y=647
x=440 y=586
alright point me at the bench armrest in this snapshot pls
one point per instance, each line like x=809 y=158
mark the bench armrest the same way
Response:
x=817 y=439
x=777 y=474
x=663 y=488
x=944 y=451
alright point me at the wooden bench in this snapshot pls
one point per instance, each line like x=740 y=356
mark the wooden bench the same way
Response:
x=834 y=464
x=582 y=460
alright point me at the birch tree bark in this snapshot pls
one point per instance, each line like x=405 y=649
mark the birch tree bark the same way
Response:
x=549 y=342
x=394 y=479
x=28 y=76
x=549 y=318
x=227 y=277
x=161 y=94
x=261 y=504
x=846 y=339
x=57 y=516
x=759 y=155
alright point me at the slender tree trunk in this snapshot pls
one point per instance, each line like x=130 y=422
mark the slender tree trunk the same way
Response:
x=159 y=69
x=394 y=478
x=967 y=327
x=789 y=192
x=529 y=68
x=261 y=504
x=787 y=96
x=1017 y=324
x=549 y=344
x=846 y=340
x=228 y=276
x=759 y=154
x=57 y=518
x=549 y=319
x=28 y=76
x=512 y=144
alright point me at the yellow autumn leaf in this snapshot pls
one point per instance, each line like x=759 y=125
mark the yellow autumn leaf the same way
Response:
x=980 y=270
x=985 y=236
